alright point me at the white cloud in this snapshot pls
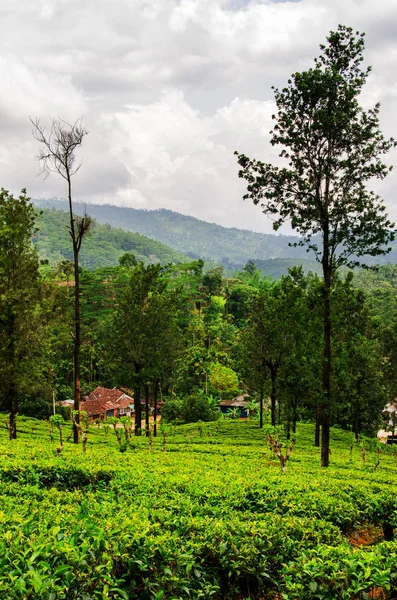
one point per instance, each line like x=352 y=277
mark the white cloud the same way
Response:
x=169 y=89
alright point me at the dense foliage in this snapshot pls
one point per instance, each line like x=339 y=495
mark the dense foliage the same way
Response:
x=231 y=247
x=103 y=247
x=192 y=338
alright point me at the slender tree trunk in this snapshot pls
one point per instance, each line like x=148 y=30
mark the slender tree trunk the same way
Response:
x=77 y=333
x=294 y=413
x=138 y=411
x=356 y=426
x=325 y=413
x=261 y=409
x=13 y=403
x=147 y=426
x=156 y=387
x=273 y=393
x=77 y=344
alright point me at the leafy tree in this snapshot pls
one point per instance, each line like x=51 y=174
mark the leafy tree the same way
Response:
x=20 y=304
x=264 y=343
x=240 y=288
x=333 y=149
x=223 y=380
x=190 y=409
x=299 y=381
x=128 y=260
x=58 y=154
x=360 y=389
x=213 y=282
x=192 y=368
x=143 y=335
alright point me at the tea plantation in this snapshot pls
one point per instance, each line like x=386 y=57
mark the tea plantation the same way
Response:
x=203 y=513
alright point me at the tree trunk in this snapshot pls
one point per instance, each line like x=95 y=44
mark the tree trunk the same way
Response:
x=77 y=343
x=356 y=413
x=13 y=400
x=77 y=334
x=326 y=399
x=138 y=411
x=156 y=386
x=147 y=426
x=294 y=413
x=356 y=426
x=273 y=394
x=261 y=409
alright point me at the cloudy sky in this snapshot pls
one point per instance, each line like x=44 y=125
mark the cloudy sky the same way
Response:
x=168 y=90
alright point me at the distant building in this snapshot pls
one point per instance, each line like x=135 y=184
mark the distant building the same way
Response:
x=239 y=402
x=103 y=403
x=389 y=414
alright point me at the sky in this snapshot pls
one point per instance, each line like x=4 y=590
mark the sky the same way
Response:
x=168 y=90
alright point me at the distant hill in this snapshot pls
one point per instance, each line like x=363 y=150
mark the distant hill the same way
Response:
x=194 y=238
x=277 y=267
x=103 y=246
x=231 y=247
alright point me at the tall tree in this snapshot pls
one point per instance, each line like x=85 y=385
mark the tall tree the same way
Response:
x=58 y=154
x=265 y=344
x=299 y=380
x=360 y=389
x=19 y=301
x=333 y=148
x=143 y=333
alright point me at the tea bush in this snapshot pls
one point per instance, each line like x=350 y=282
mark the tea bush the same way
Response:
x=210 y=517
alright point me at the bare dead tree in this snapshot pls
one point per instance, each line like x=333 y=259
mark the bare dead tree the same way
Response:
x=57 y=154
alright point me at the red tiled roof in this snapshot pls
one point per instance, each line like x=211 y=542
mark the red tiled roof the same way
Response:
x=106 y=395
x=104 y=399
x=124 y=402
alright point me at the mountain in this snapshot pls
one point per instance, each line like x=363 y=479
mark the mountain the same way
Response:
x=231 y=247
x=194 y=238
x=102 y=247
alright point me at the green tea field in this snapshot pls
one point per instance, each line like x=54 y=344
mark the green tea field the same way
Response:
x=203 y=512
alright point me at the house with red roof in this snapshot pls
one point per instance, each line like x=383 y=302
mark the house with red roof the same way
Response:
x=103 y=403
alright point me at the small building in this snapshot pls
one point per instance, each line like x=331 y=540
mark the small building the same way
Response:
x=239 y=402
x=389 y=414
x=103 y=403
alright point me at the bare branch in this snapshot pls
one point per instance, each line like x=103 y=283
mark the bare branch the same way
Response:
x=58 y=146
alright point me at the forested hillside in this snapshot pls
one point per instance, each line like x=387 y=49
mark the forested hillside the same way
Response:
x=199 y=239
x=231 y=247
x=103 y=247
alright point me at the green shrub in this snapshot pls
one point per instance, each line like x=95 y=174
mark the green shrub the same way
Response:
x=171 y=410
x=196 y=407
x=190 y=409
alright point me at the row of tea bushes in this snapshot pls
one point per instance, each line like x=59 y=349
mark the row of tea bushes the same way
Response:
x=209 y=518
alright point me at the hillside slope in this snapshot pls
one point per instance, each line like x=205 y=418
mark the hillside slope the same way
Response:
x=229 y=246
x=194 y=238
x=103 y=246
